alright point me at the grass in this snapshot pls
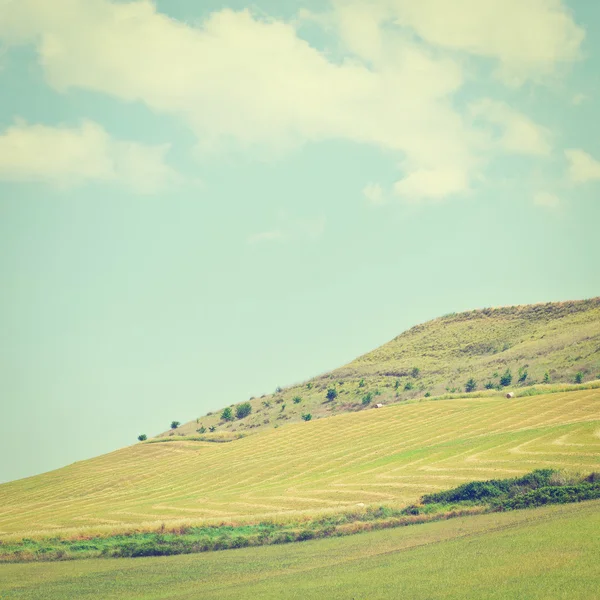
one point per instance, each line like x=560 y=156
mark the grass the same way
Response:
x=538 y=488
x=306 y=471
x=548 y=552
x=438 y=358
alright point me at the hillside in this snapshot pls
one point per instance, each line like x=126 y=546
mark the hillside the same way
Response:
x=390 y=456
x=437 y=357
x=550 y=552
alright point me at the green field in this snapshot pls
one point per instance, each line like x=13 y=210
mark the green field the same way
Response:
x=390 y=456
x=546 y=553
x=541 y=342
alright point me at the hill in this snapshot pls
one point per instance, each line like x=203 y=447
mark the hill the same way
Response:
x=384 y=457
x=550 y=552
x=550 y=342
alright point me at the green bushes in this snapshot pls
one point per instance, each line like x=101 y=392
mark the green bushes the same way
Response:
x=306 y=417
x=296 y=399
x=506 y=378
x=579 y=377
x=175 y=424
x=471 y=385
x=243 y=410
x=489 y=385
x=332 y=394
x=227 y=414
x=523 y=374
x=367 y=399
x=143 y=437
x=408 y=386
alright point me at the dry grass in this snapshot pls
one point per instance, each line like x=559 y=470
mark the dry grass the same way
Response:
x=390 y=456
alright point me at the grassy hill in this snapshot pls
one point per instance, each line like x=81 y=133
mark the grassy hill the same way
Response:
x=550 y=552
x=536 y=343
x=388 y=457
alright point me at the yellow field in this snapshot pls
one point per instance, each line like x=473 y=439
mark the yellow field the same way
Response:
x=387 y=456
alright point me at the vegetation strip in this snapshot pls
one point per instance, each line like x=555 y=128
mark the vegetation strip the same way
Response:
x=540 y=487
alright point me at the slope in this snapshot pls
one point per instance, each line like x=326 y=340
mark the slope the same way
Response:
x=550 y=342
x=389 y=456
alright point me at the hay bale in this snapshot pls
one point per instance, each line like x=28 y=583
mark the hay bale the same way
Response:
x=379 y=406
x=510 y=395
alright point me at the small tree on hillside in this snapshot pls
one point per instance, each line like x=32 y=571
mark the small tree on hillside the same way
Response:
x=471 y=385
x=367 y=399
x=506 y=378
x=243 y=410
x=143 y=437
x=227 y=414
x=297 y=399
x=306 y=416
x=201 y=430
x=175 y=424
x=415 y=372
x=579 y=377
x=523 y=374
x=331 y=394
x=408 y=386
x=546 y=377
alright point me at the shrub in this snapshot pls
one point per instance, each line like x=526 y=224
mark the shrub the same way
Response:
x=212 y=428
x=397 y=384
x=523 y=374
x=201 y=430
x=546 y=377
x=331 y=394
x=367 y=399
x=266 y=403
x=278 y=390
x=506 y=378
x=489 y=385
x=361 y=383
x=283 y=407
x=415 y=372
x=471 y=385
x=175 y=424
x=227 y=414
x=427 y=394
x=408 y=386
x=297 y=400
x=309 y=386
x=243 y=410
x=143 y=437
x=306 y=417
x=579 y=377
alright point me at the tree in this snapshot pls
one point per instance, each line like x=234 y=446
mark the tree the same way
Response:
x=471 y=385
x=523 y=374
x=175 y=424
x=367 y=399
x=506 y=378
x=415 y=372
x=297 y=399
x=331 y=393
x=306 y=416
x=143 y=437
x=227 y=414
x=489 y=385
x=546 y=377
x=579 y=377
x=243 y=410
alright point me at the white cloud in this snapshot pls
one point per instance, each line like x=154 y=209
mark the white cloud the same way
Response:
x=432 y=184
x=582 y=166
x=546 y=200
x=518 y=133
x=69 y=156
x=527 y=38
x=244 y=82
x=373 y=192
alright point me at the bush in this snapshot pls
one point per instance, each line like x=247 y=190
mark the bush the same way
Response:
x=306 y=417
x=309 y=386
x=415 y=372
x=523 y=375
x=201 y=430
x=427 y=394
x=397 y=384
x=278 y=390
x=408 y=386
x=227 y=414
x=175 y=424
x=212 y=428
x=243 y=410
x=297 y=400
x=546 y=377
x=331 y=394
x=471 y=385
x=283 y=407
x=367 y=399
x=489 y=385
x=506 y=378
x=143 y=437
x=579 y=377
x=361 y=383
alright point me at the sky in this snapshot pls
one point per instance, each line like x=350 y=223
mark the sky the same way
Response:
x=200 y=202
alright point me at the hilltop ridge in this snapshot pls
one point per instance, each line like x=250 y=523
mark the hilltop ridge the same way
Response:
x=536 y=343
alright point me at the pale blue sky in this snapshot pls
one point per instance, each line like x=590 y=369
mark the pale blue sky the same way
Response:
x=196 y=210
